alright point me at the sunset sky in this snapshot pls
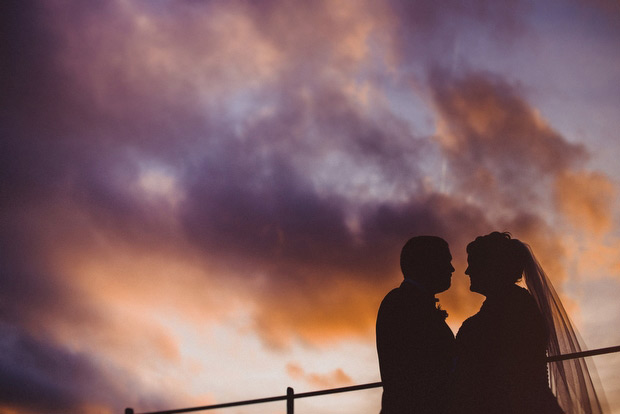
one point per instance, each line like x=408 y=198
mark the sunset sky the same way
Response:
x=204 y=201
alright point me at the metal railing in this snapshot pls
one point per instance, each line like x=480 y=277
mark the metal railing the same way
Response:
x=290 y=395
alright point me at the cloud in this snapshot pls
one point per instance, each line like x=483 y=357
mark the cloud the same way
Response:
x=181 y=161
x=308 y=187
x=499 y=147
x=333 y=379
x=428 y=31
x=586 y=199
x=311 y=275
x=39 y=375
x=505 y=158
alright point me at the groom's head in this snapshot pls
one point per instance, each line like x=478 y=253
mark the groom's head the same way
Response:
x=427 y=260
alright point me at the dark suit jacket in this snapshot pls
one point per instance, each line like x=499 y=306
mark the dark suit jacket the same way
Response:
x=416 y=351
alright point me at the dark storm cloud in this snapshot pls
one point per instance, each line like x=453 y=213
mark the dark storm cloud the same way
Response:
x=261 y=210
x=30 y=126
x=278 y=216
x=39 y=376
x=36 y=158
x=35 y=375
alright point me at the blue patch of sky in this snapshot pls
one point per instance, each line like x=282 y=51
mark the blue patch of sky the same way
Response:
x=578 y=89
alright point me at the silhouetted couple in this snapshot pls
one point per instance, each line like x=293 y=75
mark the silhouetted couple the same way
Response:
x=497 y=362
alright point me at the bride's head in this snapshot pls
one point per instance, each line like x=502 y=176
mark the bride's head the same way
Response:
x=494 y=262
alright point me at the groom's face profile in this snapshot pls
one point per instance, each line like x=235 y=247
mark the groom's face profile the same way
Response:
x=440 y=269
x=427 y=259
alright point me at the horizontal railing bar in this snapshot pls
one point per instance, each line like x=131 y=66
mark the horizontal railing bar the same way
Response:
x=584 y=354
x=338 y=390
x=556 y=358
x=223 y=405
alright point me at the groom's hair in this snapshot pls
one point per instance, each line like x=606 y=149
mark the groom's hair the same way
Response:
x=421 y=253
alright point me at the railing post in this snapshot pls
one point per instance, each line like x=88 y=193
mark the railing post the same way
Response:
x=290 y=400
x=128 y=410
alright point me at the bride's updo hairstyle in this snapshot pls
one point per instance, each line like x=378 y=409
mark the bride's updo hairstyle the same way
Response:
x=500 y=254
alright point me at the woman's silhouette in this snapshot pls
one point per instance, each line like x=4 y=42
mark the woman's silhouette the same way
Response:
x=501 y=351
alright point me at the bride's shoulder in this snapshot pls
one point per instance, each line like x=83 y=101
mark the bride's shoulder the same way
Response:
x=474 y=323
x=522 y=295
x=524 y=308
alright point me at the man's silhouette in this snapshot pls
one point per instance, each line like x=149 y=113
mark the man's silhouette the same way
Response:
x=414 y=344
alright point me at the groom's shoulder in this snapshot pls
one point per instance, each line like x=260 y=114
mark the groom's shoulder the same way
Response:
x=402 y=292
x=393 y=296
x=402 y=298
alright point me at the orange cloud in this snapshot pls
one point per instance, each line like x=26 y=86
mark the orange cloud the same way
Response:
x=500 y=149
x=333 y=379
x=586 y=199
x=593 y=256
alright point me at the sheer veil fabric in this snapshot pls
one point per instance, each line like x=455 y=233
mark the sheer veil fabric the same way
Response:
x=570 y=380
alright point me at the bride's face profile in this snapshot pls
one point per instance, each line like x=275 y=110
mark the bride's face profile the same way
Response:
x=482 y=278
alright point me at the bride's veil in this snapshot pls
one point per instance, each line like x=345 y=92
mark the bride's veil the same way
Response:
x=570 y=380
